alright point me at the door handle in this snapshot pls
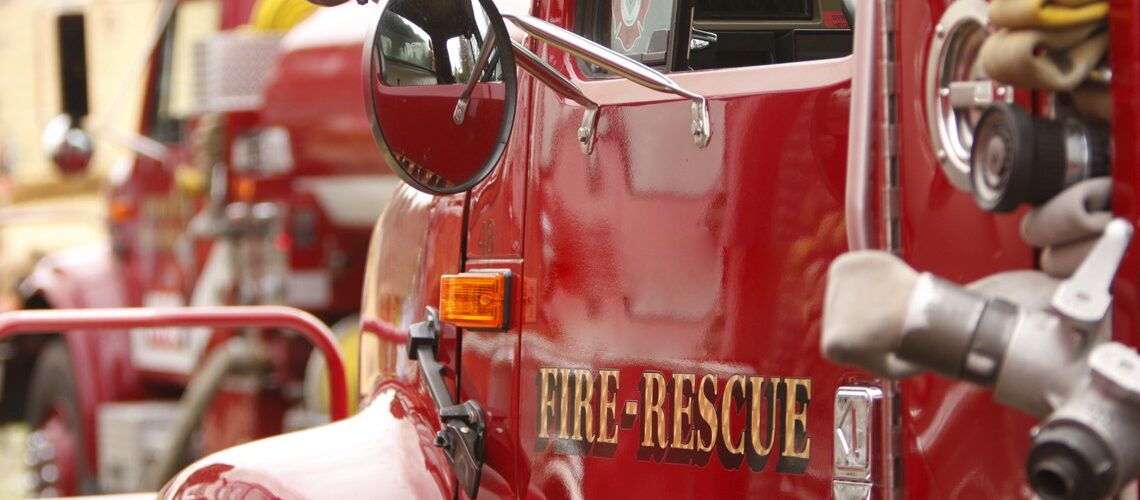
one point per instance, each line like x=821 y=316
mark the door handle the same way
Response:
x=464 y=430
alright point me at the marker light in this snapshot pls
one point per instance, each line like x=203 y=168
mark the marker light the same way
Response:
x=475 y=300
x=121 y=210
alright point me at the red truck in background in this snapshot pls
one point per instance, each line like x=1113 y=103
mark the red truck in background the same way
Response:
x=254 y=182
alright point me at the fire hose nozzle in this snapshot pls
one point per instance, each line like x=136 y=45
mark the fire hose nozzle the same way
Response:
x=1037 y=342
x=1086 y=449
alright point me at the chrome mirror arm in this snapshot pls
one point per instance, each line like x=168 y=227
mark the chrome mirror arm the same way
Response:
x=618 y=64
x=476 y=75
x=529 y=62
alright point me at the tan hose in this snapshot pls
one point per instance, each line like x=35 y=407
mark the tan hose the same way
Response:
x=1081 y=211
x=1057 y=60
x=236 y=355
x=1067 y=227
x=1094 y=100
x=1061 y=261
x=1046 y=14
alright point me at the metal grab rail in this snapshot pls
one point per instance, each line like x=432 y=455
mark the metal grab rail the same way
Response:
x=859 y=218
x=45 y=321
x=618 y=64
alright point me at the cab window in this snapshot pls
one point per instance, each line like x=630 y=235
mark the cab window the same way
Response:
x=448 y=54
x=683 y=35
x=408 y=55
x=193 y=21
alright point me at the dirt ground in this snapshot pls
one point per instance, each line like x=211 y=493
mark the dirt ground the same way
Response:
x=12 y=470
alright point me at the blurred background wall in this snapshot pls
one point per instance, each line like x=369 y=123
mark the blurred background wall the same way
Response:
x=37 y=204
x=30 y=90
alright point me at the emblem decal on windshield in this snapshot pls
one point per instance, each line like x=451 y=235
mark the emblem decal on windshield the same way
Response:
x=628 y=21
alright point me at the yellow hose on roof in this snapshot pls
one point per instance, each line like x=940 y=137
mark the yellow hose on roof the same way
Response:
x=1045 y=13
x=279 y=15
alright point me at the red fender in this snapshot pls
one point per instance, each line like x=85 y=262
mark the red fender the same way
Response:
x=84 y=277
x=380 y=452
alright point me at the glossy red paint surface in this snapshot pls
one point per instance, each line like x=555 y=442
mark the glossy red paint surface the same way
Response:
x=413 y=237
x=379 y=453
x=468 y=145
x=957 y=442
x=1124 y=51
x=494 y=235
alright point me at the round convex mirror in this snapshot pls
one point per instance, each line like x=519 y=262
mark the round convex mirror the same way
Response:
x=440 y=84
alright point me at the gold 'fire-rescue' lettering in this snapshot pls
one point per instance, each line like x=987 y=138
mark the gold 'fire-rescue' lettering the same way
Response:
x=678 y=417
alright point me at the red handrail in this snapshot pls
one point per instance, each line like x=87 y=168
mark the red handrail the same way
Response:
x=55 y=320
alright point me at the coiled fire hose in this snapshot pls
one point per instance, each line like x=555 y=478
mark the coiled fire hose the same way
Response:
x=1056 y=60
x=1053 y=45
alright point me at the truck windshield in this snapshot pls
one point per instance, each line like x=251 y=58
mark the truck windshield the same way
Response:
x=681 y=35
x=192 y=22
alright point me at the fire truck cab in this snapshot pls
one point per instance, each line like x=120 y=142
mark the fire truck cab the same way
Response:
x=618 y=265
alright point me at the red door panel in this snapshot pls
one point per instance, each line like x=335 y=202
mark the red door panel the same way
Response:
x=1124 y=54
x=673 y=346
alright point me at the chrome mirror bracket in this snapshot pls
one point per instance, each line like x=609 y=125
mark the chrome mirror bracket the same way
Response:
x=587 y=131
x=701 y=127
x=476 y=75
x=617 y=64
x=564 y=87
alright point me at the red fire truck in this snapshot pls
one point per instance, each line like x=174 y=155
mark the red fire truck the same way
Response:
x=592 y=288
x=637 y=236
x=254 y=183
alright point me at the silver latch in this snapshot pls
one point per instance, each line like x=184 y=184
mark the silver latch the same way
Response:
x=855 y=409
x=1085 y=297
x=858 y=412
x=702 y=129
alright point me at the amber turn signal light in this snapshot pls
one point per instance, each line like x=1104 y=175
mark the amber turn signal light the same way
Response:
x=475 y=300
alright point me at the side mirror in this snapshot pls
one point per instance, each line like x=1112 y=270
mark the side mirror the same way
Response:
x=440 y=91
x=68 y=146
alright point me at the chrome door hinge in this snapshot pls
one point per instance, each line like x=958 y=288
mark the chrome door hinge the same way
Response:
x=888 y=128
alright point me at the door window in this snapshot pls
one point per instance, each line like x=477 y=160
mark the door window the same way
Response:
x=192 y=22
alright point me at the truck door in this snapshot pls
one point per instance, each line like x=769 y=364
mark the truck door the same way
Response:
x=672 y=292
